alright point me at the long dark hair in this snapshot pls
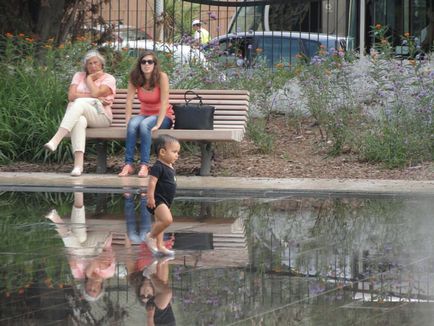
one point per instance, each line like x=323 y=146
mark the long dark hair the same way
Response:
x=137 y=77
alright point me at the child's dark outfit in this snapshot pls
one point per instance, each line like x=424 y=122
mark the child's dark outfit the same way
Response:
x=166 y=184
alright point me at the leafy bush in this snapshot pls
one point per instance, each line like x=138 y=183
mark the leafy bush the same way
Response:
x=376 y=106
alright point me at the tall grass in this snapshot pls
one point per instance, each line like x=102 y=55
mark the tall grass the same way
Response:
x=32 y=103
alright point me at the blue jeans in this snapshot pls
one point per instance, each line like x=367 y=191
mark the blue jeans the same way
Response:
x=137 y=235
x=141 y=125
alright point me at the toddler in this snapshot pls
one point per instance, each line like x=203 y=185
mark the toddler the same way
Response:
x=161 y=192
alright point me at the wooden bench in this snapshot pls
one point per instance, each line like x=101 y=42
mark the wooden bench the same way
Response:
x=230 y=118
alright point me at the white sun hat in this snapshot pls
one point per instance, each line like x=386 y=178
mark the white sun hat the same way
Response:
x=195 y=22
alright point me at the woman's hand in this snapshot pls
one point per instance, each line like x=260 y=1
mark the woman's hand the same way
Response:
x=151 y=202
x=103 y=101
x=96 y=75
x=154 y=128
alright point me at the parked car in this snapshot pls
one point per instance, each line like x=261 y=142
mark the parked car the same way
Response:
x=275 y=47
x=182 y=53
x=130 y=33
x=116 y=33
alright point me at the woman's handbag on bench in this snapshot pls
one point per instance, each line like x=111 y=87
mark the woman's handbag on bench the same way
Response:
x=193 y=115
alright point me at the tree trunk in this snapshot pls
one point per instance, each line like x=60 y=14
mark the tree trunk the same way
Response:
x=49 y=18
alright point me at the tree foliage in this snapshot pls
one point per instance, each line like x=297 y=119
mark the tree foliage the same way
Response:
x=45 y=19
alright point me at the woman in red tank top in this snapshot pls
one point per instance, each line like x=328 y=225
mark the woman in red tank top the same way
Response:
x=152 y=88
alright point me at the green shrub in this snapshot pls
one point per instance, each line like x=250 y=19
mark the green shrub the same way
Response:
x=258 y=133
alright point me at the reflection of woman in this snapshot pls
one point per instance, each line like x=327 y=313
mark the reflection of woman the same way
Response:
x=90 y=96
x=137 y=235
x=90 y=252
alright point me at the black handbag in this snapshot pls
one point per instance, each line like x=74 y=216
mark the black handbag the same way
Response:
x=193 y=116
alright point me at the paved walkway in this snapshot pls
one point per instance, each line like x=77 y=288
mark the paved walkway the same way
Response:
x=109 y=182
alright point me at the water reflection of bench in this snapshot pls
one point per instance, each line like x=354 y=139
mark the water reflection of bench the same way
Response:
x=224 y=233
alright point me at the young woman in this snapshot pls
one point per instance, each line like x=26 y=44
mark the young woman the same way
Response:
x=152 y=88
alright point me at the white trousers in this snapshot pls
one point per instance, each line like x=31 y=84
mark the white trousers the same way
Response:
x=80 y=114
x=80 y=240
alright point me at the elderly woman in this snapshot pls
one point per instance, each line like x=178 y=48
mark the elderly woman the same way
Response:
x=90 y=96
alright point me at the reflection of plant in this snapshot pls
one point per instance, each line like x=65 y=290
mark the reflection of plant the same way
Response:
x=21 y=231
x=337 y=228
x=36 y=246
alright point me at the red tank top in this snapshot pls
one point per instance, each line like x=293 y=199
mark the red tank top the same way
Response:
x=150 y=102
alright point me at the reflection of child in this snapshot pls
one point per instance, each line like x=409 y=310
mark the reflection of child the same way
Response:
x=161 y=192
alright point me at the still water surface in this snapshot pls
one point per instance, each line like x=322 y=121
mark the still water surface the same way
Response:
x=79 y=259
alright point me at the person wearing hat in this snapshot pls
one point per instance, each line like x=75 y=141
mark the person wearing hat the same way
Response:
x=201 y=35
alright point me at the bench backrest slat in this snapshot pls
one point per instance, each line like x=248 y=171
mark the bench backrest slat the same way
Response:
x=231 y=106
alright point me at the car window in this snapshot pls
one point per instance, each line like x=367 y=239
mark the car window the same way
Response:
x=311 y=47
x=278 y=49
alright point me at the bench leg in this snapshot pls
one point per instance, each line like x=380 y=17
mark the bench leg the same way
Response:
x=101 y=159
x=207 y=151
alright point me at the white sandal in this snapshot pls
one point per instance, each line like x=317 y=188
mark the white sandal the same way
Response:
x=76 y=172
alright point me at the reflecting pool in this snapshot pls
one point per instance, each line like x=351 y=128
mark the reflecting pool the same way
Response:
x=73 y=258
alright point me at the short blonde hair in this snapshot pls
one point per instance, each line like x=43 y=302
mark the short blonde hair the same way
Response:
x=91 y=54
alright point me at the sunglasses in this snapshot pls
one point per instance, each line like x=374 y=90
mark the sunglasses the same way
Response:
x=146 y=297
x=148 y=62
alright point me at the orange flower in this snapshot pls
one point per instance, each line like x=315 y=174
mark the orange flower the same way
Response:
x=61 y=46
x=258 y=50
x=47 y=46
x=412 y=62
x=9 y=35
x=29 y=39
x=407 y=34
x=378 y=26
x=280 y=65
x=21 y=35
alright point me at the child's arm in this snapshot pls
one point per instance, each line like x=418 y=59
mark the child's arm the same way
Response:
x=151 y=191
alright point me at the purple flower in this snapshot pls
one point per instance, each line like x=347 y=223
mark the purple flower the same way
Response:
x=212 y=15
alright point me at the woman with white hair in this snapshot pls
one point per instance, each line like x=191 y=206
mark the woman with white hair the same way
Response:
x=90 y=96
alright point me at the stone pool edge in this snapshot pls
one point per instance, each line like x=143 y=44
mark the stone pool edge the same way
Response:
x=17 y=180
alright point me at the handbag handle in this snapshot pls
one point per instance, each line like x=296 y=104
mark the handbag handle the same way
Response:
x=196 y=97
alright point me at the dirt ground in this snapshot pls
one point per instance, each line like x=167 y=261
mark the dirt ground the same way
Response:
x=296 y=155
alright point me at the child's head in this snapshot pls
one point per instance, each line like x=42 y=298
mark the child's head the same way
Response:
x=167 y=148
